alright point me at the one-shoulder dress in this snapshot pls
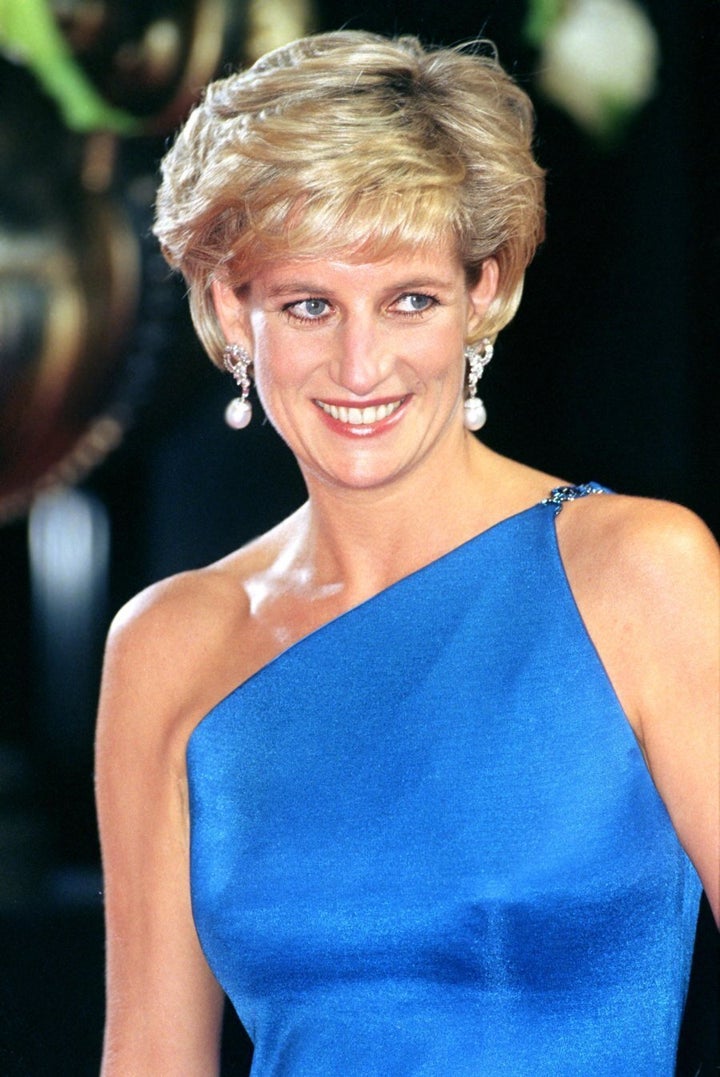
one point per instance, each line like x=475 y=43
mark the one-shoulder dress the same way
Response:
x=424 y=840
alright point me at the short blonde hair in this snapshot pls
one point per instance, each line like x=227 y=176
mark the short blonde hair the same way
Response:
x=352 y=142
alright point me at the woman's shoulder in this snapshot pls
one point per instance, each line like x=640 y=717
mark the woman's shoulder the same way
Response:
x=645 y=576
x=187 y=612
x=608 y=535
x=180 y=645
x=639 y=541
x=173 y=616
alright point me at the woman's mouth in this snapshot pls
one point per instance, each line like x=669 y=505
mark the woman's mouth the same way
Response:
x=367 y=416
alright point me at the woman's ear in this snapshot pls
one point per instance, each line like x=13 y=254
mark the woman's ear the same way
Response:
x=482 y=294
x=230 y=311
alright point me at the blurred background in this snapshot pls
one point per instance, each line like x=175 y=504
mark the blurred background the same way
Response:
x=116 y=468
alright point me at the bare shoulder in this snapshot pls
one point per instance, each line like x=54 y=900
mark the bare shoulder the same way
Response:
x=181 y=645
x=169 y=654
x=645 y=574
x=171 y=622
x=177 y=617
x=641 y=547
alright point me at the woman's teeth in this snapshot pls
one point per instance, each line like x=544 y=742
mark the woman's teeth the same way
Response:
x=359 y=416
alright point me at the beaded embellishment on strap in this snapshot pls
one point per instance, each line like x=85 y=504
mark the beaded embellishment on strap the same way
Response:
x=561 y=494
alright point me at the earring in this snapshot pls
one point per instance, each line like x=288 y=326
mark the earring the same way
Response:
x=478 y=356
x=236 y=360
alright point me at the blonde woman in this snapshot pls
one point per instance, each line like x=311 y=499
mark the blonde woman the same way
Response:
x=424 y=778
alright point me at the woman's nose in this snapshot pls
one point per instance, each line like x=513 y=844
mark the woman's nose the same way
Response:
x=363 y=359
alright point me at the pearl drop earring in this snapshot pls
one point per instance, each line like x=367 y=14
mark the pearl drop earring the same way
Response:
x=237 y=361
x=477 y=356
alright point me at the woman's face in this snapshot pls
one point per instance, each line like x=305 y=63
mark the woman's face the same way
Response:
x=359 y=366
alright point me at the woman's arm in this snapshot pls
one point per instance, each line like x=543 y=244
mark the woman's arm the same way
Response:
x=164 y=1007
x=646 y=576
x=679 y=706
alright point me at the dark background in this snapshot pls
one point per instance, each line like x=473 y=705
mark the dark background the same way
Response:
x=607 y=373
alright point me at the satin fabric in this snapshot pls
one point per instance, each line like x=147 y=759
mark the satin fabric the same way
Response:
x=424 y=840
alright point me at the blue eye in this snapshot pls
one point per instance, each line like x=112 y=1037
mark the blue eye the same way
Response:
x=308 y=309
x=415 y=303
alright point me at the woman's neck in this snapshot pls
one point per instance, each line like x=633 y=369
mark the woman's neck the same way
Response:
x=369 y=538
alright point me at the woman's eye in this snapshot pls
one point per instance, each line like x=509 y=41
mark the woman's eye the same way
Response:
x=309 y=309
x=415 y=303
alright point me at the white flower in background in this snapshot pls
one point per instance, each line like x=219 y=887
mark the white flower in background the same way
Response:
x=599 y=61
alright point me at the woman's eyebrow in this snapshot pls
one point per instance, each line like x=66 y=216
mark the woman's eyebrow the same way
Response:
x=287 y=287
x=421 y=283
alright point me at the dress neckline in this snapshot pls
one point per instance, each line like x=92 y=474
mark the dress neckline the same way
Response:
x=555 y=500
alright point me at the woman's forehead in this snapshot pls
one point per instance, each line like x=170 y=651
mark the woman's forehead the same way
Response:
x=422 y=262
x=373 y=250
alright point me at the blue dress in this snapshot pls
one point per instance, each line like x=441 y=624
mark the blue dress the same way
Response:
x=424 y=840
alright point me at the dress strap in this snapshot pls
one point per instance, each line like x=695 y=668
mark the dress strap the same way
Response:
x=561 y=494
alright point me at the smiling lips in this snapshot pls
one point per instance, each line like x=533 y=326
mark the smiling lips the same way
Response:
x=367 y=416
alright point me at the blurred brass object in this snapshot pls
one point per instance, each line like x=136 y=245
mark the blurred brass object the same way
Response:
x=68 y=293
x=74 y=268
x=97 y=169
x=152 y=59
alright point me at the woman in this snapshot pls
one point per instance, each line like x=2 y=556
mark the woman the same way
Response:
x=455 y=816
